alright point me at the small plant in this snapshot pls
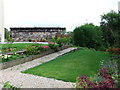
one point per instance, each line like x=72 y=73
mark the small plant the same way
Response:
x=54 y=46
x=59 y=41
x=9 y=86
x=53 y=39
x=9 y=41
x=32 y=50
x=62 y=41
x=6 y=58
x=9 y=57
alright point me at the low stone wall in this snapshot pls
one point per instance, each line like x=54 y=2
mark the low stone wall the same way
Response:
x=23 y=60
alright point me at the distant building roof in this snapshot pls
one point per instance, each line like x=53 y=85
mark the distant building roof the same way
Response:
x=37 y=29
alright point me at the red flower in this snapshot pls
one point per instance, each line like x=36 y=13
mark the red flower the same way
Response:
x=9 y=49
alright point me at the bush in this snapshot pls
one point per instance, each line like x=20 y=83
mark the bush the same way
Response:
x=88 y=35
x=32 y=50
x=62 y=41
x=54 y=46
x=107 y=77
x=110 y=25
x=53 y=39
x=104 y=81
x=59 y=41
x=35 y=49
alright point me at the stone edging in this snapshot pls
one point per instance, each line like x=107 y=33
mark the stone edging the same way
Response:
x=26 y=59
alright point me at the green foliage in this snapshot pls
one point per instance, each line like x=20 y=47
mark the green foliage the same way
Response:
x=35 y=49
x=32 y=50
x=9 y=86
x=53 y=39
x=107 y=76
x=88 y=35
x=59 y=41
x=55 y=46
x=7 y=34
x=110 y=24
x=63 y=41
x=14 y=56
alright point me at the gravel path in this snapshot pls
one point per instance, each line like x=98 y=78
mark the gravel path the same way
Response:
x=18 y=79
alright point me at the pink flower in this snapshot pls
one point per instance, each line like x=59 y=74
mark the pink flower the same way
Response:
x=9 y=53
x=46 y=47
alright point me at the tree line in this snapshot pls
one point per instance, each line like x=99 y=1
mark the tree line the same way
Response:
x=99 y=37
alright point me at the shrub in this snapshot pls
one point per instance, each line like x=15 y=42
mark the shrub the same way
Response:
x=54 y=46
x=103 y=80
x=32 y=50
x=63 y=41
x=35 y=49
x=59 y=41
x=53 y=39
x=107 y=77
x=88 y=35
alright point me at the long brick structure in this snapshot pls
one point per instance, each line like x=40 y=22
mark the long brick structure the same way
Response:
x=35 y=33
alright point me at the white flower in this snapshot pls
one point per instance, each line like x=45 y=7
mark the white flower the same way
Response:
x=6 y=56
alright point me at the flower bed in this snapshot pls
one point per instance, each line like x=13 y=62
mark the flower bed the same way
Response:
x=17 y=61
x=107 y=76
x=32 y=52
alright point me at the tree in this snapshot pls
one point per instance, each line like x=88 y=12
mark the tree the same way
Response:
x=88 y=35
x=7 y=33
x=110 y=24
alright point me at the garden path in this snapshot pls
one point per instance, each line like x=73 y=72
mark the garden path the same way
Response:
x=18 y=79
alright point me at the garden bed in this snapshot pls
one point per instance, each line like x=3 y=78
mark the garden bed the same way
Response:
x=5 y=65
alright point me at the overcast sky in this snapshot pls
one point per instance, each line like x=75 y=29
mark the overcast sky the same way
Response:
x=55 y=13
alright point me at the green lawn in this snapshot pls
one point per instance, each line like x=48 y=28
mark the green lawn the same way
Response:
x=71 y=65
x=17 y=46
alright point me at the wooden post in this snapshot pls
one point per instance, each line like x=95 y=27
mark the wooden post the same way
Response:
x=1 y=21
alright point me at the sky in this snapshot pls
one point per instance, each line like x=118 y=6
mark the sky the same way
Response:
x=55 y=13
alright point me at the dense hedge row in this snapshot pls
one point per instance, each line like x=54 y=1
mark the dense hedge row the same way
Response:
x=88 y=35
x=99 y=37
